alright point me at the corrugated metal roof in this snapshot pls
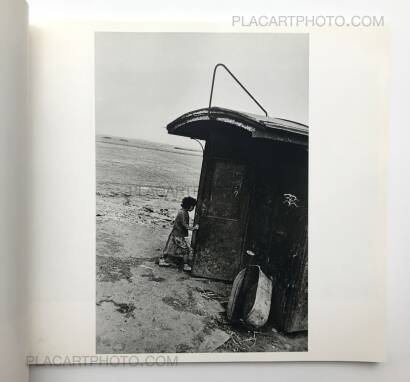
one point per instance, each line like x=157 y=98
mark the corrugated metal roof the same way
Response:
x=195 y=124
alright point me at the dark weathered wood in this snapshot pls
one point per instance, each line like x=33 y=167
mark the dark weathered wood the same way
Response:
x=277 y=227
x=221 y=213
x=288 y=248
x=253 y=195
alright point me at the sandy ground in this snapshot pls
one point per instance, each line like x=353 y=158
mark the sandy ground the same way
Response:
x=140 y=306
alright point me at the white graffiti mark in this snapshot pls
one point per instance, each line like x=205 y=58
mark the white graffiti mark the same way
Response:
x=290 y=200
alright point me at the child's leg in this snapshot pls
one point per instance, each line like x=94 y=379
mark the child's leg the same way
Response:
x=187 y=259
x=168 y=249
x=188 y=256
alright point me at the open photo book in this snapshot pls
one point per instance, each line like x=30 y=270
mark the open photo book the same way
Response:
x=192 y=193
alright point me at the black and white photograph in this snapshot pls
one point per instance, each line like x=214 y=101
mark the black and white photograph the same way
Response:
x=197 y=191
x=202 y=148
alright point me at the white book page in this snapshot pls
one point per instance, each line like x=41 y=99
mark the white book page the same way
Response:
x=13 y=206
x=347 y=188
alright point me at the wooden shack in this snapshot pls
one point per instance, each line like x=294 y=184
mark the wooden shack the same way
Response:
x=252 y=198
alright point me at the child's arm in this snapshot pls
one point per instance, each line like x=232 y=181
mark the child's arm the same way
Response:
x=185 y=223
x=193 y=228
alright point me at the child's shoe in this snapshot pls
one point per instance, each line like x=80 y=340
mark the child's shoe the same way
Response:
x=163 y=263
x=187 y=268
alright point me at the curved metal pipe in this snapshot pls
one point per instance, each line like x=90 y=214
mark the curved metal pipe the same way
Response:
x=238 y=82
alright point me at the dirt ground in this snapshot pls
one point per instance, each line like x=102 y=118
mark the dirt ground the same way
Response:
x=142 y=307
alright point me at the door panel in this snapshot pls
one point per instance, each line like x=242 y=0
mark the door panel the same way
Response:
x=222 y=213
x=218 y=251
x=225 y=194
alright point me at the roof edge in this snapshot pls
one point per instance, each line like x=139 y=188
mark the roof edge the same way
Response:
x=249 y=122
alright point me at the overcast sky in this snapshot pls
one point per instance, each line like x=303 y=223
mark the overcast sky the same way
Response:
x=146 y=80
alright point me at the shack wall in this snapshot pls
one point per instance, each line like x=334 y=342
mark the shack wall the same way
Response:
x=277 y=228
x=223 y=199
x=269 y=217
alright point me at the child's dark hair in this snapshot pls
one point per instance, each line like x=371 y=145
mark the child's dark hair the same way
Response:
x=188 y=202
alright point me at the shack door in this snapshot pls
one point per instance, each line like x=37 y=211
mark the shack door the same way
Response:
x=221 y=214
